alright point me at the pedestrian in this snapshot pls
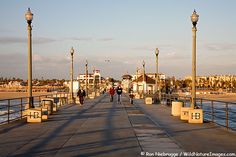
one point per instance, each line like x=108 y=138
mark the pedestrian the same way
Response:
x=119 y=92
x=131 y=97
x=111 y=92
x=81 y=94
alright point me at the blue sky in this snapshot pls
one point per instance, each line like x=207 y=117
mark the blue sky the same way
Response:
x=124 y=31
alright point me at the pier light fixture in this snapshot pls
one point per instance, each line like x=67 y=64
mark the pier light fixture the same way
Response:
x=157 y=78
x=29 y=18
x=194 y=19
x=72 y=75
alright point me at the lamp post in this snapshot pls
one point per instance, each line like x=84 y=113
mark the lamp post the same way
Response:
x=29 y=18
x=137 y=81
x=157 y=75
x=72 y=75
x=144 y=78
x=194 y=19
x=86 y=71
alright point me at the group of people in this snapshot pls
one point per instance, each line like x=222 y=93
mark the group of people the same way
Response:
x=118 y=92
x=81 y=94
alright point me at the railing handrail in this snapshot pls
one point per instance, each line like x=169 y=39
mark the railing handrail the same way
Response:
x=25 y=97
x=211 y=110
x=21 y=105
x=218 y=100
x=199 y=98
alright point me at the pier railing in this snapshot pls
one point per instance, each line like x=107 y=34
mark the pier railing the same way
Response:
x=14 y=108
x=220 y=112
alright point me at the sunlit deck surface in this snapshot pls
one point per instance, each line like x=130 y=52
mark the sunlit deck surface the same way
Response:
x=104 y=128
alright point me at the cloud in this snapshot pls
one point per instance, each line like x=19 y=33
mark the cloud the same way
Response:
x=174 y=56
x=12 y=40
x=43 y=40
x=89 y=39
x=220 y=46
x=105 y=39
x=13 y=65
x=145 y=48
x=19 y=40
x=49 y=60
x=80 y=39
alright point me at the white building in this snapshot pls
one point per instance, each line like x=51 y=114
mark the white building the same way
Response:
x=126 y=82
x=93 y=79
x=144 y=84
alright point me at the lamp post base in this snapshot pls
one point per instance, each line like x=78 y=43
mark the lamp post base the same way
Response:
x=72 y=100
x=31 y=102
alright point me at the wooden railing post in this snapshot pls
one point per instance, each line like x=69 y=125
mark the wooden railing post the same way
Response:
x=212 y=111
x=227 y=116
x=8 y=111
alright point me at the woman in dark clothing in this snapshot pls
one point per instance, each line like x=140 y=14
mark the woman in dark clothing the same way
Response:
x=81 y=94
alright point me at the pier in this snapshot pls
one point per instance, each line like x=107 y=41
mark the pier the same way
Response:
x=104 y=128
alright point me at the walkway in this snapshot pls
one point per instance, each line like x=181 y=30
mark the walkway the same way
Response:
x=207 y=137
x=98 y=128
x=103 y=128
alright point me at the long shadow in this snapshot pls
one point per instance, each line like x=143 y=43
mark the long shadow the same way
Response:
x=105 y=152
x=108 y=132
x=58 y=130
x=86 y=149
x=12 y=126
x=166 y=126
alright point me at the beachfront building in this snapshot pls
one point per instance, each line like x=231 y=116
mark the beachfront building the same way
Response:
x=126 y=82
x=93 y=79
x=215 y=81
x=144 y=84
x=149 y=84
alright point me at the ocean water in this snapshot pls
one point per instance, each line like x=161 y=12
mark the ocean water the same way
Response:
x=220 y=114
x=15 y=108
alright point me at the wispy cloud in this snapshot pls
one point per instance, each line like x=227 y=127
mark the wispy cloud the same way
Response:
x=19 y=40
x=52 y=60
x=105 y=39
x=80 y=39
x=174 y=56
x=220 y=46
x=12 y=40
x=145 y=48
x=90 y=39
x=44 y=40
x=153 y=46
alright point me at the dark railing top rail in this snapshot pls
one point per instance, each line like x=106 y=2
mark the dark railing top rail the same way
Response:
x=12 y=110
x=218 y=111
x=26 y=97
x=198 y=98
x=221 y=101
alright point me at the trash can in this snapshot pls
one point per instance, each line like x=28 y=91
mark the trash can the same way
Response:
x=176 y=108
x=148 y=100
x=44 y=113
x=45 y=103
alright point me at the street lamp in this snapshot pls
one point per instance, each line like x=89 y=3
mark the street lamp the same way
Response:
x=29 y=18
x=194 y=19
x=72 y=74
x=137 y=80
x=144 y=78
x=87 y=80
x=157 y=75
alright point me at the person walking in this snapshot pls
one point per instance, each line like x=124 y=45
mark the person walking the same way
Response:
x=119 y=92
x=131 y=97
x=81 y=94
x=111 y=92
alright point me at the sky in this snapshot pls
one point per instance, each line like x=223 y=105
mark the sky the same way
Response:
x=126 y=32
